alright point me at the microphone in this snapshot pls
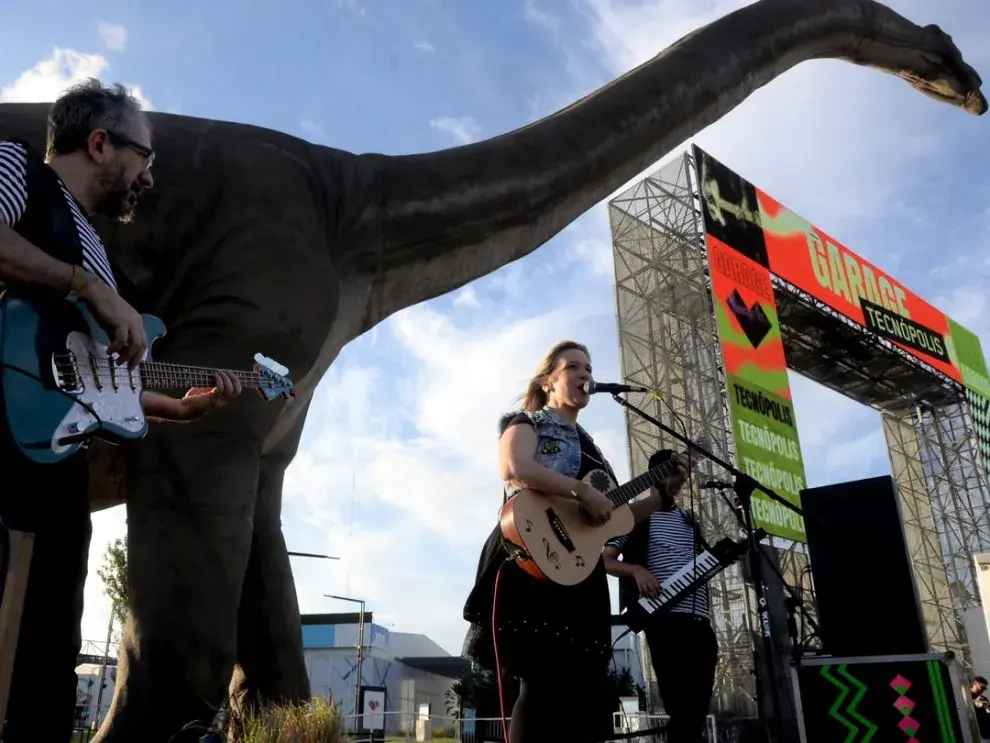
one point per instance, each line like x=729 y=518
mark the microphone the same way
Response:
x=591 y=387
x=714 y=485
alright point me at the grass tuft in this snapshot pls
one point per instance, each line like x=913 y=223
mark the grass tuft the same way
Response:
x=311 y=722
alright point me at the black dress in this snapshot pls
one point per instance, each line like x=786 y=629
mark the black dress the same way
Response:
x=556 y=639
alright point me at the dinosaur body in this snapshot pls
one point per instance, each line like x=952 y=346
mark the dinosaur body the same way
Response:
x=253 y=240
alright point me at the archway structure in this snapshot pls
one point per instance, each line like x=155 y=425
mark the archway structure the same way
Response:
x=719 y=290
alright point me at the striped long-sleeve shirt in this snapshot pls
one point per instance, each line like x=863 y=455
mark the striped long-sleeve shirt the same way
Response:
x=671 y=546
x=14 y=202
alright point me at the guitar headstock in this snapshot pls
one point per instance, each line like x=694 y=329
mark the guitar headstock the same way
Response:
x=272 y=379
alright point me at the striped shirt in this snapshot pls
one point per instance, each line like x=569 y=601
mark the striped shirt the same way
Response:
x=671 y=547
x=14 y=202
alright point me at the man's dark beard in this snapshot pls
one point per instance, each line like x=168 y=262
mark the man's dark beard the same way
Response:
x=114 y=203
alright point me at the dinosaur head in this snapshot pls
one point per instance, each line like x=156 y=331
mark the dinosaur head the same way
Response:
x=924 y=56
x=941 y=73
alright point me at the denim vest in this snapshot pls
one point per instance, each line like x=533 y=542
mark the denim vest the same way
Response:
x=558 y=445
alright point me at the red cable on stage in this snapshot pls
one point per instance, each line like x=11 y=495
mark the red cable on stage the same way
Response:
x=498 y=666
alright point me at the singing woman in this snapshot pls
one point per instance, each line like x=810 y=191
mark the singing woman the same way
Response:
x=555 y=639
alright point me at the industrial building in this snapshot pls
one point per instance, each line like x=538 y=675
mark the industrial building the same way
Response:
x=413 y=669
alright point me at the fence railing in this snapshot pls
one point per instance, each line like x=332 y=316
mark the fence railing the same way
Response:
x=407 y=727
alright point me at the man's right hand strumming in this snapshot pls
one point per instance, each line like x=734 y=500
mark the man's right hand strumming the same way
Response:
x=122 y=323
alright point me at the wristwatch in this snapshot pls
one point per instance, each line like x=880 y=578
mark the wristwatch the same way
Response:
x=76 y=284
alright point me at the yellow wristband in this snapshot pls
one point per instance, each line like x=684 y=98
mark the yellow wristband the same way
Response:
x=77 y=281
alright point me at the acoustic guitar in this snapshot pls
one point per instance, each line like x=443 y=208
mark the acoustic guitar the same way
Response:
x=550 y=536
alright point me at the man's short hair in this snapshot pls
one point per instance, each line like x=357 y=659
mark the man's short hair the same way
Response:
x=661 y=458
x=981 y=680
x=87 y=106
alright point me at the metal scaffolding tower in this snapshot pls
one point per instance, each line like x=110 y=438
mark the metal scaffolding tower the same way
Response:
x=668 y=342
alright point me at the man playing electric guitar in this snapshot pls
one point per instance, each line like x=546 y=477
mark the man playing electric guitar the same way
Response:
x=98 y=160
x=682 y=644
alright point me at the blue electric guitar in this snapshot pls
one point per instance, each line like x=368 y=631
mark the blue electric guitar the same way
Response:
x=60 y=388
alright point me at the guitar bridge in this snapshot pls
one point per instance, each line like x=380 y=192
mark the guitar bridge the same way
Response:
x=65 y=373
x=559 y=531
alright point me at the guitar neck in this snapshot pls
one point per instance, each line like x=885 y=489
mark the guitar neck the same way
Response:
x=158 y=375
x=624 y=493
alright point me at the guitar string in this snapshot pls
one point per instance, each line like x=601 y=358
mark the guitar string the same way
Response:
x=104 y=363
x=154 y=372
x=653 y=477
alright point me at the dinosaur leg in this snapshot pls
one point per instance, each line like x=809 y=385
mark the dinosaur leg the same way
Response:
x=270 y=666
x=190 y=511
x=193 y=488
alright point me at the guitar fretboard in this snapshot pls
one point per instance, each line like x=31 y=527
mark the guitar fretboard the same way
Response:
x=624 y=493
x=163 y=376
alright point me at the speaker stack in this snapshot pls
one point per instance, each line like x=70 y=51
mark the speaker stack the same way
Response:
x=877 y=679
x=865 y=587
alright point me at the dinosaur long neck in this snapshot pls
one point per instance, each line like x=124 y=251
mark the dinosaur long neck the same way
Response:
x=452 y=216
x=413 y=227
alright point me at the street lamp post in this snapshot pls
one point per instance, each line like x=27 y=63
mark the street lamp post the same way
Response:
x=312 y=554
x=360 y=645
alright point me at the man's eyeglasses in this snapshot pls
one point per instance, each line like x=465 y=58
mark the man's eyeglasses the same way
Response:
x=122 y=140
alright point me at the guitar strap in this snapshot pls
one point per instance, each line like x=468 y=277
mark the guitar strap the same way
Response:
x=585 y=437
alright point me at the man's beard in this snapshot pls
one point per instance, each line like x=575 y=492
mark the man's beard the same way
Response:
x=117 y=201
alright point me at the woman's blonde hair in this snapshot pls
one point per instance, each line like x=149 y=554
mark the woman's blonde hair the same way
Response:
x=535 y=396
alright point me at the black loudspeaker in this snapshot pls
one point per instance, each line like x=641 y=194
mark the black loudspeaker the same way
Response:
x=864 y=581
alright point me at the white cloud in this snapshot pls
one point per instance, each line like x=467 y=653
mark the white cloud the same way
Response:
x=114 y=37
x=50 y=77
x=464 y=129
x=467 y=297
x=312 y=129
x=534 y=13
x=353 y=6
x=592 y=248
x=424 y=46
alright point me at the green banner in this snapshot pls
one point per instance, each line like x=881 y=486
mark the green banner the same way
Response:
x=754 y=363
x=966 y=351
x=768 y=450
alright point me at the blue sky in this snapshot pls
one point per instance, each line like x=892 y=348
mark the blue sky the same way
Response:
x=396 y=473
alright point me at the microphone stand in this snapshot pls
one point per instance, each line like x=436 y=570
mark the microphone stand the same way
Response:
x=744 y=486
x=793 y=603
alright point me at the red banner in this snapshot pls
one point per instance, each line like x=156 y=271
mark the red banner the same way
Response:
x=805 y=256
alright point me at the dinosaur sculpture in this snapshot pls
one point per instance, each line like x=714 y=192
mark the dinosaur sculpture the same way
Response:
x=253 y=240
